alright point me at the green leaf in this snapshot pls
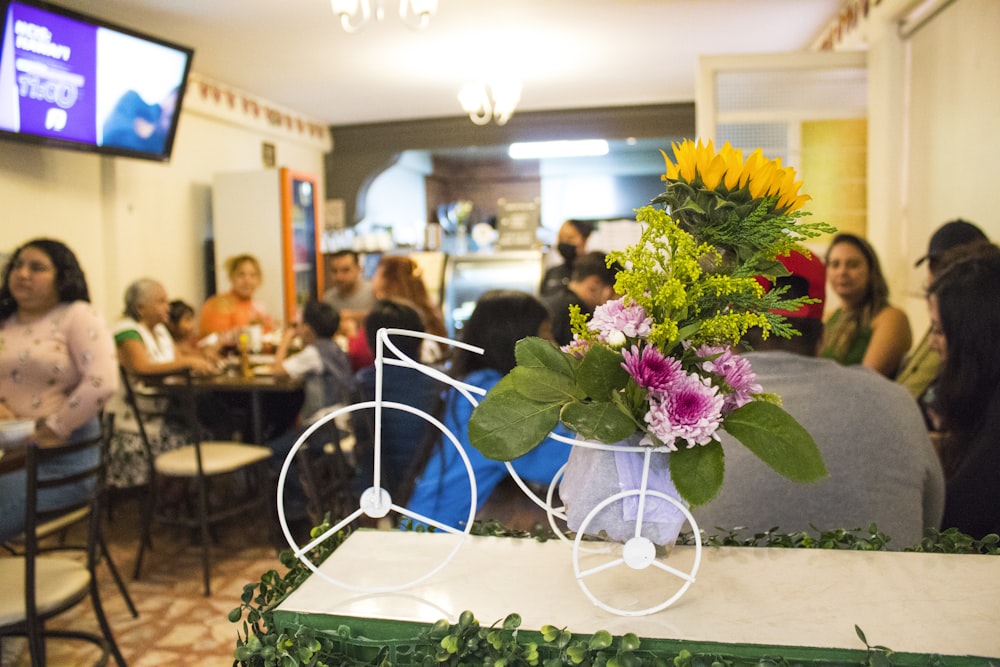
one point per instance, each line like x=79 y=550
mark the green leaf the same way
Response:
x=597 y=420
x=778 y=440
x=549 y=632
x=536 y=352
x=630 y=642
x=697 y=472
x=600 y=640
x=506 y=425
x=543 y=385
x=601 y=372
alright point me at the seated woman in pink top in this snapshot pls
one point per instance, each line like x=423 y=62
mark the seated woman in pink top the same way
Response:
x=226 y=313
x=57 y=364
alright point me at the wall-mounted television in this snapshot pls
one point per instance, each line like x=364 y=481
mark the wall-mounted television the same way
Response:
x=74 y=81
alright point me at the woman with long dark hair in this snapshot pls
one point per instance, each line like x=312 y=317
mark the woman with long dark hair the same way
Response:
x=57 y=364
x=441 y=492
x=965 y=324
x=865 y=330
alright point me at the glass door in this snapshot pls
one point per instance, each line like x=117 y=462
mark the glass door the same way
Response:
x=303 y=275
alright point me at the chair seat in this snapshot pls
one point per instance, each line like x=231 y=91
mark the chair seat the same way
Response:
x=216 y=458
x=55 y=525
x=60 y=582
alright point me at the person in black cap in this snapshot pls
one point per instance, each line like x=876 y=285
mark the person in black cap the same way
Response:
x=949 y=235
x=920 y=367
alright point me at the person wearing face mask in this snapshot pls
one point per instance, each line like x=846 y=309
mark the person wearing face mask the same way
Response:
x=571 y=243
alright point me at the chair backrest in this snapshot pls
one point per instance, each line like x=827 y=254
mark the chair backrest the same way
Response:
x=50 y=495
x=325 y=475
x=157 y=395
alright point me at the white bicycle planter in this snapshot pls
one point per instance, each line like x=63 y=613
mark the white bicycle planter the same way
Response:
x=637 y=553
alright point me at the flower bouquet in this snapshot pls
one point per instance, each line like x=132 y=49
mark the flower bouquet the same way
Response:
x=653 y=369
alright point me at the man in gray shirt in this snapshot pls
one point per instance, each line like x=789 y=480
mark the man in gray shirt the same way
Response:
x=350 y=293
x=882 y=466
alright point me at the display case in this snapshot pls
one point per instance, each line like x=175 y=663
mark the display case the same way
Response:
x=271 y=214
x=468 y=276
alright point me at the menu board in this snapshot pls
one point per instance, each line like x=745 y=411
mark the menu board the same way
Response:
x=517 y=224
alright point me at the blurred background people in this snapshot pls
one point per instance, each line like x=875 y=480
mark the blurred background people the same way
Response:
x=183 y=327
x=399 y=277
x=145 y=346
x=881 y=464
x=57 y=366
x=349 y=292
x=226 y=313
x=441 y=490
x=591 y=284
x=865 y=330
x=400 y=430
x=920 y=366
x=327 y=384
x=571 y=242
x=965 y=325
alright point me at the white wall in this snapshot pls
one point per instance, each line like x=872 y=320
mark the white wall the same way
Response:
x=933 y=135
x=397 y=200
x=129 y=218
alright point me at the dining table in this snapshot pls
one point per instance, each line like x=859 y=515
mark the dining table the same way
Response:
x=11 y=459
x=255 y=387
x=13 y=452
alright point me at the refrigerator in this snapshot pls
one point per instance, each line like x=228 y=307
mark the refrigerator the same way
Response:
x=468 y=276
x=271 y=214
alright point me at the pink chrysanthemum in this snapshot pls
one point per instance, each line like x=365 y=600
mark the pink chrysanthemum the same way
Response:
x=691 y=411
x=650 y=369
x=736 y=371
x=615 y=316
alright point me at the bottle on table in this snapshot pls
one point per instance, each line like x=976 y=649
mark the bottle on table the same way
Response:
x=243 y=345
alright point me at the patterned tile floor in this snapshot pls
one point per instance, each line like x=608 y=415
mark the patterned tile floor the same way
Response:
x=177 y=625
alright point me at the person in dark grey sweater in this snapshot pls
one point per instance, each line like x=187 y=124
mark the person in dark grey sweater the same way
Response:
x=882 y=467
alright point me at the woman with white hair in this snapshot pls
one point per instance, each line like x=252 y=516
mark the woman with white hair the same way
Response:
x=143 y=340
x=145 y=346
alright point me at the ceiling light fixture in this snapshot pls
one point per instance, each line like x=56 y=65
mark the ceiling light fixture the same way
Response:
x=356 y=14
x=534 y=150
x=495 y=101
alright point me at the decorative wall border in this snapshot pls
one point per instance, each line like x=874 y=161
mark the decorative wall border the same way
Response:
x=848 y=29
x=220 y=101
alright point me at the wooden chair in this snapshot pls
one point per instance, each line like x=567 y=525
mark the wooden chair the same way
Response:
x=38 y=584
x=199 y=466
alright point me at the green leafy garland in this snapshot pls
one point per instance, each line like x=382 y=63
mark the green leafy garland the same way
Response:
x=262 y=644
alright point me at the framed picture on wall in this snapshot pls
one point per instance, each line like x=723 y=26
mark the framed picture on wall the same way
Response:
x=267 y=154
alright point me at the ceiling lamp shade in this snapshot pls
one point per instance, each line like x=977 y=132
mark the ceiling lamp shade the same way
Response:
x=356 y=14
x=495 y=101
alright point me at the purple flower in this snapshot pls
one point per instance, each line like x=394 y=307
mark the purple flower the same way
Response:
x=615 y=316
x=691 y=410
x=577 y=347
x=650 y=369
x=736 y=371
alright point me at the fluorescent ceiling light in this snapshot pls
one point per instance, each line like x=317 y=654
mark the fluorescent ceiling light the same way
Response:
x=534 y=150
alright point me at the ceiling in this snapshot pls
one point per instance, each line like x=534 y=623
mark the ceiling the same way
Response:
x=568 y=53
